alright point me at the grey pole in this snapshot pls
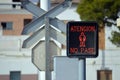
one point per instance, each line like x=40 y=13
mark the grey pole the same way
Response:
x=45 y=4
x=47 y=50
x=103 y=59
x=82 y=69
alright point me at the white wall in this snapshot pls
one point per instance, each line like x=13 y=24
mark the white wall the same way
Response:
x=22 y=64
x=69 y=14
x=13 y=57
x=112 y=58
x=5 y=1
x=11 y=43
x=5 y=6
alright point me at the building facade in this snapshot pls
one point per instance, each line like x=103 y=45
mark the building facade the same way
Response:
x=15 y=61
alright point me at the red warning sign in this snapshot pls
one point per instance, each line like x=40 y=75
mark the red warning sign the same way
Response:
x=82 y=39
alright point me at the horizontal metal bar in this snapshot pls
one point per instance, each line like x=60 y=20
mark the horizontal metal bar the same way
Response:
x=60 y=25
x=58 y=36
x=34 y=38
x=35 y=10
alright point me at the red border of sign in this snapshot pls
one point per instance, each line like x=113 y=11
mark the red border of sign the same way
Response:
x=96 y=44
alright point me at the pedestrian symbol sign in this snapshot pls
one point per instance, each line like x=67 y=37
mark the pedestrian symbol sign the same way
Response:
x=82 y=39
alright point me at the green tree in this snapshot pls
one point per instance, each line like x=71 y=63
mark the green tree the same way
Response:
x=100 y=11
x=115 y=39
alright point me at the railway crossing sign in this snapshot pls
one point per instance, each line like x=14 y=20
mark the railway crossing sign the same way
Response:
x=82 y=39
x=45 y=25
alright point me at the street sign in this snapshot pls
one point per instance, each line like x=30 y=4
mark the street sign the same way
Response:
x=39 y=55
x=66 y=68
x=82 y=39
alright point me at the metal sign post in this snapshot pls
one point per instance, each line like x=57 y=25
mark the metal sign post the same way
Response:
x=82 y=69
x=47 y=51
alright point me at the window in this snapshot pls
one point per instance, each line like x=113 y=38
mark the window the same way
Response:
x=16 y=0
x=104 y=75
x=7 y=25
x=15 y=75
x=26 y=21
x=14 y=6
